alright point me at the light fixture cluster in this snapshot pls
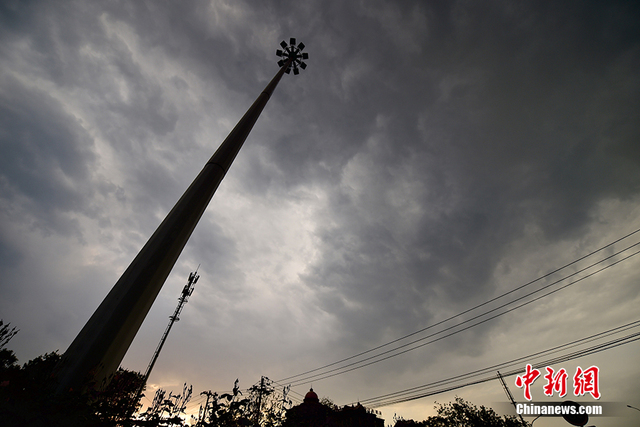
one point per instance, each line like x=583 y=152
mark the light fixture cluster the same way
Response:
x=291 y=51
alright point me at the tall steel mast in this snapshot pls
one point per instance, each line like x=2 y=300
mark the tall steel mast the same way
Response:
x=100 y=346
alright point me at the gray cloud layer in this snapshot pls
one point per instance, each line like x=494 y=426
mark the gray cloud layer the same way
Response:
x=432 y=155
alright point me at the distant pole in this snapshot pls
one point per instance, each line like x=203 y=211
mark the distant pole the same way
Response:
x=510 y=396
x=184 y=297
x=259 y=408
x=100 y=346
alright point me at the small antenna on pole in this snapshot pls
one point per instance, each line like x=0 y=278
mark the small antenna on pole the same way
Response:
x=184 y=297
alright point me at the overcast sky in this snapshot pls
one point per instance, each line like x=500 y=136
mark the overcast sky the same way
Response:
x=433 y=155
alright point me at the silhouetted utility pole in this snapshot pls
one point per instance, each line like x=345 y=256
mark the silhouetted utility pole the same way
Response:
x=100 y=346
x=510 y=396
x=263 y=390
x=259 y=408
x=184 y=298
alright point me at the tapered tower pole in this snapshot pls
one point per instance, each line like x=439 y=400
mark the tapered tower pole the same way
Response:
x=100 y=346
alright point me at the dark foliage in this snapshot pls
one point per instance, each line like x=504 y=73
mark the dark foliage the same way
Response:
x=165 y=410
x=7 y=358
x=463 y=414
x=27 y=398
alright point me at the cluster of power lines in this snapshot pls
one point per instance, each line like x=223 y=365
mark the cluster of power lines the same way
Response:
x=532 y=291
x=603 y=258
x=539 y=359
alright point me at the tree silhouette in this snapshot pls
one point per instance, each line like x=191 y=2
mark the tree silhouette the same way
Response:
x=27 y=399
x=27 y=395
x=7 y=358
x=225 y=410
x=463 y=414
x=165 y=410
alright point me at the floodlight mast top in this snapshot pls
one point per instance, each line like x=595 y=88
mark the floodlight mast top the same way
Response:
x=95 y=354
x=292 y=56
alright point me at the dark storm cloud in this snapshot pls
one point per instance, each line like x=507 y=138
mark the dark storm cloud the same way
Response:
x=430 y=152
x=196 y=34
x=45 y=158
x=9 y=255
x=513 y=132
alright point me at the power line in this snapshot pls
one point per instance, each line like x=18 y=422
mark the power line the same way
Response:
x=466 y=311
x=342 y=370
x=394 y=398
x=396 y=395
x=518 y=360
x=512 y=372
x=291 y=391
x=359 y=364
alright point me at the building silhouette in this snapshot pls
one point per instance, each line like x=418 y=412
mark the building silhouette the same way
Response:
x=312 y=413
